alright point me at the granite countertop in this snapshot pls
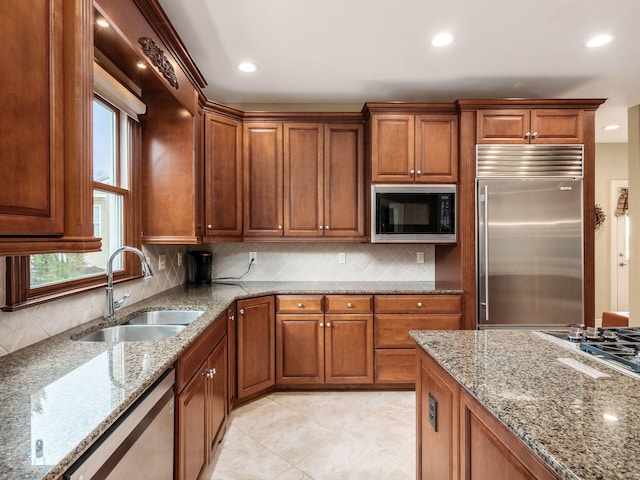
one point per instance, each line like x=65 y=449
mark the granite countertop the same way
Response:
x=67 y=393
x=582 y=428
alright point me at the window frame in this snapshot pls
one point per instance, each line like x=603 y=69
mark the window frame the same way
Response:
x=19 y=293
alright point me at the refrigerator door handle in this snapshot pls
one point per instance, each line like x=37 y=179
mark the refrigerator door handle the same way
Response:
x=486 y=253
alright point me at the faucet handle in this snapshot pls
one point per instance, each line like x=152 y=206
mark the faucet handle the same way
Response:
x=118 y=303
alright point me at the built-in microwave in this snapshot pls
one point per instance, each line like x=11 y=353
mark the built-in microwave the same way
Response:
x=413 y=213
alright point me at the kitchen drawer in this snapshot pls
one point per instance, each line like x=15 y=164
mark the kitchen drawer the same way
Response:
x=395 y=365
x=349 y=303
x=418 y=304
x=392 y=331
x=299 y=303
x=189 y=363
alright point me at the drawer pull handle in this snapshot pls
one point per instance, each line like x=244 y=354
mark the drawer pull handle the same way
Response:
x=349 y=305
x=300 y=305
x=419 y=304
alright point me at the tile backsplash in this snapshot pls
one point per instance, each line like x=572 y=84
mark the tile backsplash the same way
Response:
x=24 y=327
x=319 y=261
x=275 y=262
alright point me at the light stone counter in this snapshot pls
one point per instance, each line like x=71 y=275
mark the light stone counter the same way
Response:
x=582 y=428
x=67 y=393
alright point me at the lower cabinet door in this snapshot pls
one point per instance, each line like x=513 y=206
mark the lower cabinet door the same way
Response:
x=192 y=431
x=348 y=349
x=216 y=395
x=256 y=346
x=300 y=349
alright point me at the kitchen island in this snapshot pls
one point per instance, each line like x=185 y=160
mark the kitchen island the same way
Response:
x=504 y=393
x=68 y=393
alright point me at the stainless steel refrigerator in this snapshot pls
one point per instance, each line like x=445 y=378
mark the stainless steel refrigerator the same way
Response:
x=530 y=236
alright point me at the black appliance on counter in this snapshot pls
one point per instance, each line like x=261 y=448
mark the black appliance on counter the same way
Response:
x=619 y=345
x=199 y=264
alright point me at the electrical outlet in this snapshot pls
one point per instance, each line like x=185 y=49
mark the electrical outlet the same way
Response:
x=419 y=257
x=342 y=257
x=162 y=262
x=253 y=256
x=180 y=259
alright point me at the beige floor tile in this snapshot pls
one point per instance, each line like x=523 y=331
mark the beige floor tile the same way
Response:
x=318 y=436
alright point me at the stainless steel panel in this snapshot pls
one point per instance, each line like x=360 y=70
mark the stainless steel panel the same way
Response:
x=530 y=252
x=529 y=161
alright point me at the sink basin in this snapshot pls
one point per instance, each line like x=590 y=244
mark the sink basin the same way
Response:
x=165 y=317
x=132 y=333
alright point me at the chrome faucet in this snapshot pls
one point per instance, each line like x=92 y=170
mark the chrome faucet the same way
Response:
x=112 y=305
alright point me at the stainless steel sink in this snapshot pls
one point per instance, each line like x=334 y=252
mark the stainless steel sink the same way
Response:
x=165 y=317
x=132 y=333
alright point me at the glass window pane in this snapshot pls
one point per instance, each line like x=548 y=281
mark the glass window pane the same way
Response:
x=104 y=144
x=61 y=267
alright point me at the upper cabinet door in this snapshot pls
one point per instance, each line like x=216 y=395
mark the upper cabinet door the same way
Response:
x=303 y=183
x=503 y=126
x=436 y=149
x=557 y=126
x=392 y=148
x=343 y=180
x=223 y=177
x=32 y=143
x=263 y=212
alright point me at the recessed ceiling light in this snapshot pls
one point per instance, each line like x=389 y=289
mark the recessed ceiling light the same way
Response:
x=248 y=67
x=599 y=40
x=610 y=417
x=613 y=126
x=442 y=39
x=102 y=22
x=141 y=65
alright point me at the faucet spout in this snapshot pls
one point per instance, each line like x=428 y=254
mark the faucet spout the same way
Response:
x=111 y=305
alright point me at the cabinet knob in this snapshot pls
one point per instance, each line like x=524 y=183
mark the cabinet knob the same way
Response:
x=419 y=172
x=349 y=305
x=412 y=172
x=213 y=371
x=534 y=135
x=326 y=227
x=300 y=305
x=232 y=317
x=241 y=312
x=279 y=227
x=527 y=135
x=321 y=325
x=320 y=227
x=419 y=304
x=209 y=226
x=328 y=324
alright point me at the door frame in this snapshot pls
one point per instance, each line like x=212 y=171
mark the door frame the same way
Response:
x=613 y=245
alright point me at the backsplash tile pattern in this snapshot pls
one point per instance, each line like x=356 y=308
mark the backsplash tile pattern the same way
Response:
x=319 y=261
x=25 y=327
x=275 y=262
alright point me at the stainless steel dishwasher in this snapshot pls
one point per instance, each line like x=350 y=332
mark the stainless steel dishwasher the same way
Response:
x=139 y=445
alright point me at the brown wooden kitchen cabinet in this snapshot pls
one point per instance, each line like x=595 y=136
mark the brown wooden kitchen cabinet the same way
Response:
x=395 y=317
x=414 y=148
x=46 y=193
x=530 y=126
x=263 y=207
x=323 y=180
x=304 y=180
x=324 y=340
x=201 y=388
x=255 y=346
x=222 y=178
x=438 y=425
x=458 y=438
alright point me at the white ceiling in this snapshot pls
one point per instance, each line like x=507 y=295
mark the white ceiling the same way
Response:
x=352 y=51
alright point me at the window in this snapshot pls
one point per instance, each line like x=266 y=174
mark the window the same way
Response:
x=116 y=150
